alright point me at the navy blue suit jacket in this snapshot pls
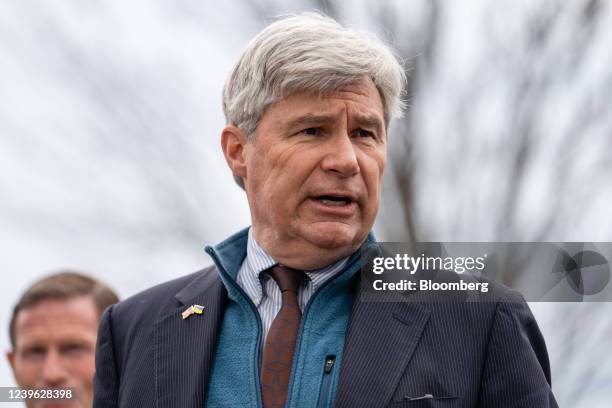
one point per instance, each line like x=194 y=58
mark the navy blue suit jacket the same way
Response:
x=397 y=354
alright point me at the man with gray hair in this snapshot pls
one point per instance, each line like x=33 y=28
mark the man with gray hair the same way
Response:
x=278 y=320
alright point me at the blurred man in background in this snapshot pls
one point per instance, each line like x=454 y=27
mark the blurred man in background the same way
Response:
x=53 y=334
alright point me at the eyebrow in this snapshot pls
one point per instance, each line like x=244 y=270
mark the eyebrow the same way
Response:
x=369 y=121
x=312 y=119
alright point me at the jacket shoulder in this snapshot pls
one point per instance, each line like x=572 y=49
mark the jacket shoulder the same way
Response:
x=136 y=315
x=158 y=298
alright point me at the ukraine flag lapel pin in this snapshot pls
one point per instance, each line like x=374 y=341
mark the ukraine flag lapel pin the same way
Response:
x=193 y=309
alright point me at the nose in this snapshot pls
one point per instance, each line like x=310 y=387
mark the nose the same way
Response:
x=53 y=371
x=340 y=156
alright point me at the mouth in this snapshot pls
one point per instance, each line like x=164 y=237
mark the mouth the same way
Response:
x=334 y=200
x=336 y=203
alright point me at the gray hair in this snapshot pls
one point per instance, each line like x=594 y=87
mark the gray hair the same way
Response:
x=308 y=52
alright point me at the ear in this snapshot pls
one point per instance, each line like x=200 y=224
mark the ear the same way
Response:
x=234 y=144
x=10 y=355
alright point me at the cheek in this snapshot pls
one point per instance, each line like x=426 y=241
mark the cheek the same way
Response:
x=83 y=369
x=27 y=372
x=283 y=173
x=88 y=364
x=373 y=169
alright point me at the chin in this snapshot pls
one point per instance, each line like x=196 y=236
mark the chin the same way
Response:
x=334 y=235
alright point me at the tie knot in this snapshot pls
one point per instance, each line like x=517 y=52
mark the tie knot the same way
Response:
x=286 y=278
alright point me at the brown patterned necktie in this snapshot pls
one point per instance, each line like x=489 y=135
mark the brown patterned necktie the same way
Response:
x=280 y=343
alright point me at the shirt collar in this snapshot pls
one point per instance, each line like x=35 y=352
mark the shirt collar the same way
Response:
x=258 y=260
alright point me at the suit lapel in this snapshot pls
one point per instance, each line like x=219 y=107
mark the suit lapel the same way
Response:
x=184 y=348
x=381 y=339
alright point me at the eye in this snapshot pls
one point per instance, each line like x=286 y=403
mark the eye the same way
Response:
x=364 y=133
x=34 y=352
x=74 y=349
x=312 y=131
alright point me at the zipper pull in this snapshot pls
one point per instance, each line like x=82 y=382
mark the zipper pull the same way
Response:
x=329 y=364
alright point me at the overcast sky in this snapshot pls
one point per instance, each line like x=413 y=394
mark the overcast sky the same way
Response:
x=110 y=114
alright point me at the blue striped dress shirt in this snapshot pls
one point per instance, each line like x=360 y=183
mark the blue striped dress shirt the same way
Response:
x=264 y=291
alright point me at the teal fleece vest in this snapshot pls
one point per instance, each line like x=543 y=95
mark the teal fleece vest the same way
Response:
x=234 y=377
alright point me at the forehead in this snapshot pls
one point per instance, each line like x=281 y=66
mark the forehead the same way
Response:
x=57 y=318
x=362 y=98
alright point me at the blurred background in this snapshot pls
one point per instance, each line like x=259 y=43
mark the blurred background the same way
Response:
x=110 y=116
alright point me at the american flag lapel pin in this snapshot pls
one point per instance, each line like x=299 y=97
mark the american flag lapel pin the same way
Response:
x=193 y=309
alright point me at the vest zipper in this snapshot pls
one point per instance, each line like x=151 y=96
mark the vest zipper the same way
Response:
x=298 y=346
x=326 y=381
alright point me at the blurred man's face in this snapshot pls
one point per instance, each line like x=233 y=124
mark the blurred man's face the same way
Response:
x=313 y=174
x=54 y=348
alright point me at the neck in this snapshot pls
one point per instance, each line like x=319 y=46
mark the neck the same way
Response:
x=302 y=255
